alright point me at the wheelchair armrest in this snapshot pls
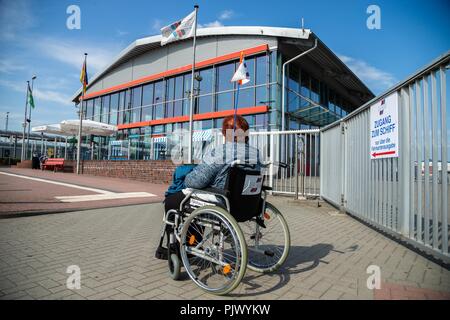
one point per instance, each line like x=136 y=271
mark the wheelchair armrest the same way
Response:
x=215 y=190
x=266 y=188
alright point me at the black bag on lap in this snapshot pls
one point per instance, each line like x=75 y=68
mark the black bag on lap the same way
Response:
x=244 y=192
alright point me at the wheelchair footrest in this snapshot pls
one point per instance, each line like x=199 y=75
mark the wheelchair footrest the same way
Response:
x=161 y=253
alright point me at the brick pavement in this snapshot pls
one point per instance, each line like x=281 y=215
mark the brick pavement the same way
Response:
x=114 y=248
x=23 y=196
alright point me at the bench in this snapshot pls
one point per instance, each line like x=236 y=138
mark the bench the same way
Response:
x=55 y=163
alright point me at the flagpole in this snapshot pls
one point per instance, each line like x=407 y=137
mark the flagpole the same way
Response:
x=81 y=117
x=24 y=124
x=29 y=123
x=191 y=109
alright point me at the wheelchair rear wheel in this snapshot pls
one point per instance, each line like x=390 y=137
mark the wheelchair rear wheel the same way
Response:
x=267 y=247
x=213 y=250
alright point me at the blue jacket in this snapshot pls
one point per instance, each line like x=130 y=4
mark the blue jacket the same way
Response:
x=179 y=176
x=213 y=171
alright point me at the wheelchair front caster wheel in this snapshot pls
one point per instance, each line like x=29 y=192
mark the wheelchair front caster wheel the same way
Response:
x=174 y=266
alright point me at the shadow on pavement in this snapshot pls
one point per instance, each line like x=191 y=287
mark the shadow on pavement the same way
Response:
x=301 y=259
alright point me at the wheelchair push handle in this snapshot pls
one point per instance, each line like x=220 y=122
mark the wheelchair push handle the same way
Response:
x=264 y=164
x=279 y=164
x=240 y=163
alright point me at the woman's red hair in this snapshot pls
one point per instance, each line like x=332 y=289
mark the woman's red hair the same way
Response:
x=241 y=123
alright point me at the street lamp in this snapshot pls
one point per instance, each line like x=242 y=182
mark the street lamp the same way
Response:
x=6 y=125
x=22 y=155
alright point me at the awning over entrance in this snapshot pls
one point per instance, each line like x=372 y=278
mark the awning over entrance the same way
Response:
x=313 y=113
x=71 y=127
x=88 y=127
x=51 y=129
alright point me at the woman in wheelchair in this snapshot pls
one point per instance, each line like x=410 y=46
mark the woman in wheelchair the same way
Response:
x=213 y=170
x=218 y=212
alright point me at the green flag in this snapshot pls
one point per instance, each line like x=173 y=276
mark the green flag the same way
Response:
x=30 y=97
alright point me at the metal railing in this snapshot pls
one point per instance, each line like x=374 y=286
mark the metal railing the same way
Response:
x=293 y=157
x=295 y=160
x=406 y=196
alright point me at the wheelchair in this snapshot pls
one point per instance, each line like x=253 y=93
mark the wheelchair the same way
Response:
x=216 y=234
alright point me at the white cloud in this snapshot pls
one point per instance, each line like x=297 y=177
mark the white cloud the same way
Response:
x=226 y=14
x=9 y=66
x=376 y=79
x=121 y=33
x=157 y=25
x=213 y=24
x=38 y=94
x=15 y=16
x=72 y=52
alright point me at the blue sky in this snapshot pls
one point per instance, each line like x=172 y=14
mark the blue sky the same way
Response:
x=34 y=39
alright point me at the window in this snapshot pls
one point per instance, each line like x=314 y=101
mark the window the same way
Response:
x=178 y=105
x=114 y=107
x=261 y=120
x=204 y=104
x=136 y=104
x=250 y=63
x=205 y=86
x=225 y=101
x=250 y=120
x=273 y=67
x=315 y=90
x=304 y=90
x=169 y=97
x=127 y=107
x=105 y=109
x=158 y=100
x=224 y=74
x=262 y=97
x=293 y=124
x=147 y=101
x=246 y=97
x=89 y=109
x=97 y=109
x=121 y=107
x=186 y=94
x=332 y=101
x=261 y=70
x=158 y=129
x=293 y=100
x=218 y=123
x=206 y=124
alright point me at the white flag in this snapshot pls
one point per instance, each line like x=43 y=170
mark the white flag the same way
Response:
x=178 y=30
x=241 y=73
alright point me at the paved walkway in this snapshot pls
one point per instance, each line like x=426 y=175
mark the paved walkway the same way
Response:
x=114 y=248
x=26 y=191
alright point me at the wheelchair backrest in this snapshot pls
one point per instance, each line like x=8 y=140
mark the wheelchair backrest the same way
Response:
x=244 y=187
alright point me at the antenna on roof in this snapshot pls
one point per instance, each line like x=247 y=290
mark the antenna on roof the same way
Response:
x=303 y=25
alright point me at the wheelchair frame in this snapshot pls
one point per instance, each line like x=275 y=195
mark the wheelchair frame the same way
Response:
x=174 y=229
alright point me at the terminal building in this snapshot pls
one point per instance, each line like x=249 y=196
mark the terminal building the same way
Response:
x=145 y=90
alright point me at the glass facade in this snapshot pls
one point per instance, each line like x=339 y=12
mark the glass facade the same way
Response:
x=169 y=97
x=310 y=102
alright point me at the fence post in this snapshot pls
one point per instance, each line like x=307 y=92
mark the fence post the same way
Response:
x=272 y=160
x=296 y=165
x=404 y=161
x=343 y=155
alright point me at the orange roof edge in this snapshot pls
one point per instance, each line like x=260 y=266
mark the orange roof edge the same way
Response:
x=202 y=116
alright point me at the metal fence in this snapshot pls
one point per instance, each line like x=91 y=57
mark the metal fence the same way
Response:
x=294 y=158
x=406 y=196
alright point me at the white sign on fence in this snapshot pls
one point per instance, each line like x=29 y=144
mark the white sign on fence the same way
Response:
x=384 y=128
